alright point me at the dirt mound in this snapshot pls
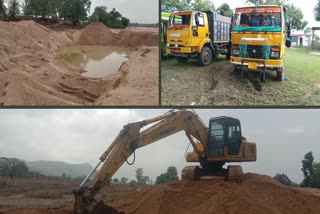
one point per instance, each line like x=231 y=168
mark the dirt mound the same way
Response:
x=257 y=194
x=32 y=73
x=95 y=34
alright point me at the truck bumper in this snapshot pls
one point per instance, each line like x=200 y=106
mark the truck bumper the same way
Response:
x=179 y=51
x=254 y=64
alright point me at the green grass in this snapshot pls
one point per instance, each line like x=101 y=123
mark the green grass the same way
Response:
x=189 y=85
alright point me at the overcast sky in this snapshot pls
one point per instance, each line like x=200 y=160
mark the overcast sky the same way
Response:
x=81 y=136
x=141 y=11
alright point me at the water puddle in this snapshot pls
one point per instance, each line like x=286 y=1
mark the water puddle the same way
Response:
x=95 y=61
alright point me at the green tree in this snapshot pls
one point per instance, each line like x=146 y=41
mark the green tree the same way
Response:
x=315 y=177
x=307 y=30
x=224 y=10
x=3 y=8
x=112 y=19
x=145 y=180
x=139 y=175
x=170 y=6
x=14 y=8
x=317 y=11
x=124 y=180
x=283 y=178
x=115 y=180
x=295 y=17
x=170 y=175
x=307 y=168
x=202 y=5
x=13 y=167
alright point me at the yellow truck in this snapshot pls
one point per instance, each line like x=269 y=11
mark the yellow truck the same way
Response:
x=259 y=37
x=196 y=34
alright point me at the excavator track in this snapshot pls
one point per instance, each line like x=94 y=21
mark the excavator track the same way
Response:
x=234 y=173
x=190 y=173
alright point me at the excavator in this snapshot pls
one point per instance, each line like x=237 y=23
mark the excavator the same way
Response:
x=213 y=146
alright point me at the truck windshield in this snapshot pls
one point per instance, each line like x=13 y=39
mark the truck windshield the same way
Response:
x=265 y=19
x=180 y=20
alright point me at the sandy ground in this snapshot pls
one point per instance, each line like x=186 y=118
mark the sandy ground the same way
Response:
x=256 y=194
x=32 y=73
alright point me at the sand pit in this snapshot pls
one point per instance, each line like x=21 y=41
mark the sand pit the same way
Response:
x=32 y=73
x=256 y=194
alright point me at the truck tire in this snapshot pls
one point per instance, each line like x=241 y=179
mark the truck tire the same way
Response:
x=280 y=74
x=205 y=57
x=182 y=59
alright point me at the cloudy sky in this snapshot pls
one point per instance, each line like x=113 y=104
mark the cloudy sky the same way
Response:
x=81 y=136
x=141 y=11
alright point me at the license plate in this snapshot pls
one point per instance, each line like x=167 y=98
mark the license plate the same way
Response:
x=252 y=65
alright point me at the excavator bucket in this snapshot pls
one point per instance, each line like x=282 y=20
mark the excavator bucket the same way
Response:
x=234 y=173
x=85 y=204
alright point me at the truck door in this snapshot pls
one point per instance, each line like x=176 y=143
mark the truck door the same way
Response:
x=200 y=26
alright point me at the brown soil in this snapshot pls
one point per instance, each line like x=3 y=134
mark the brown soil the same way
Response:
x=256 y=194
x=31 y=72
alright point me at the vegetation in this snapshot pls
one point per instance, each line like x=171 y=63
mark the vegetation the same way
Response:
x=317 y=11
x=124 y=180
x=13 y=167
x=68 y=10
x=224 y=10
x=170 y=175
x=113 y=19
x=182 y=5
x=283 y=178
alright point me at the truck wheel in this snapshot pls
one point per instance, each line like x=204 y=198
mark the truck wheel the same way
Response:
x=205 y=57
x=263 y=76
x=182 y=59
x=280 y=74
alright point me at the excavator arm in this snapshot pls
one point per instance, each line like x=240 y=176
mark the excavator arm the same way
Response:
x=131 y=138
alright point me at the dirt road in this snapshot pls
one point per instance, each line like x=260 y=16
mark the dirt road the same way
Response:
x=32 y=73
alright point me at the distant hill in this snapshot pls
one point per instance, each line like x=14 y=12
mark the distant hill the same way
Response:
x=56 y=168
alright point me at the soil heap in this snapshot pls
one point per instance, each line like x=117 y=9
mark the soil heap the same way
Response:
x=257 y=194
x=31 y=72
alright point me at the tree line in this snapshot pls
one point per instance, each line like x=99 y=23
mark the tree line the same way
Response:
x=310 y=170
x=294 y=13
x=68 y=10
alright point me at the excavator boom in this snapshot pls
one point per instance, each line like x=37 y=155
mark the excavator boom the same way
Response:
x=131 y=138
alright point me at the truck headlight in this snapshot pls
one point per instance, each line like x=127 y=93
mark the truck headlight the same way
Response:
x=176 y=45
x=274 y=54
x=235 y=52
x=167 y=45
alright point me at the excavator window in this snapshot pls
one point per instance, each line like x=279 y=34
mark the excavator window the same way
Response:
x=224 y=132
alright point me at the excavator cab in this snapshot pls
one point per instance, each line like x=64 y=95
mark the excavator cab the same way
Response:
x=224 y=137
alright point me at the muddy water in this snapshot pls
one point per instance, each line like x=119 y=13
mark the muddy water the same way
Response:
x=95 y=61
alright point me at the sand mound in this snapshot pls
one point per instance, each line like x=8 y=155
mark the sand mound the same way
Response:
x=31 y=72
x=257 y=194
x=95 y=34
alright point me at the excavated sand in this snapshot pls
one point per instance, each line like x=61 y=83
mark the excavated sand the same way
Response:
x=257 y=194
x=31 y=72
